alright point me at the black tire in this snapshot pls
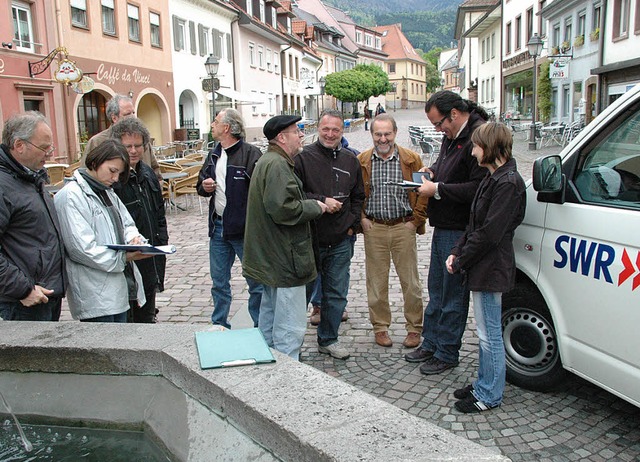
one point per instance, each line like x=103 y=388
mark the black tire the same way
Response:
x=530 y=340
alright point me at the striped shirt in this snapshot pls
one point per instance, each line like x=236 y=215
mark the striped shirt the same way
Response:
x=387 y=201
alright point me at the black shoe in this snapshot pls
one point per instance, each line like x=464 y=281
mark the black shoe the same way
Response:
x=471 y=404
x=435 y=366
x=418 y=356
x=463 y=393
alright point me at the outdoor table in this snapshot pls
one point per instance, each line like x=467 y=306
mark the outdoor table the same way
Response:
x=169 y=176
x=551 y=134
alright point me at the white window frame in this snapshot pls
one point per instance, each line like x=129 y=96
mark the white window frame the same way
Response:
x=368 y=40
x=378 y=43
x=18 y=42
x=182 y=34
x=260 y=56
x=274 y=18
x=359 y=37
x=276 y=62
x=108 y=8
x=268 y=59
x=154 y=25
x=250 y=8
x=79 y=13
x=252 y=54
x=133 y=19
x=263 y=14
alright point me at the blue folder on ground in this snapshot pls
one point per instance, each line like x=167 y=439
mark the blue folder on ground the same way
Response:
x=227 y=348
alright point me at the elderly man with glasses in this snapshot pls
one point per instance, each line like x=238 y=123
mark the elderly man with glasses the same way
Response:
x=31 y=252
x=278 y=249
x=456 y=177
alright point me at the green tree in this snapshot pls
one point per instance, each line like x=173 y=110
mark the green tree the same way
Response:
x=357 y=84
x=432 y=77
x=544 y=92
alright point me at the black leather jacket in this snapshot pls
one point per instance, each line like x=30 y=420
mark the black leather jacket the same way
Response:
x=31 y=248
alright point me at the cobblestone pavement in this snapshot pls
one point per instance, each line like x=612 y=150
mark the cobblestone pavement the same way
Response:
x=579 y=422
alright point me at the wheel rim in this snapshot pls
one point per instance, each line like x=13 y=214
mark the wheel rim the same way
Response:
x=530 y=342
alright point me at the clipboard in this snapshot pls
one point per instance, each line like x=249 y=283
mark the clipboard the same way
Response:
x=146 y=249
x=228 y=348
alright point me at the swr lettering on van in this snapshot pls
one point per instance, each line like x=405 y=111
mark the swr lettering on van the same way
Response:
x=580 y=254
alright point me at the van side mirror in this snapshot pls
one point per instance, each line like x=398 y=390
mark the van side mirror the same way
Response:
x=547 y=174
x=548 y=179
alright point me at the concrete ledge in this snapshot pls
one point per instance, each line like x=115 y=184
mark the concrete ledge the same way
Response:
x=269 y=404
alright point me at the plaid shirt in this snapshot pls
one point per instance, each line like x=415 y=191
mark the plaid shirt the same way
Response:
x=387 y=201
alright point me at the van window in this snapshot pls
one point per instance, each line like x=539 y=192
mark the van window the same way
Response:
x=609 y=173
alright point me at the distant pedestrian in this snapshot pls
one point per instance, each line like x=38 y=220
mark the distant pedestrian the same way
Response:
x=367 y=116
x=485 y=256
x=278 y=248
x=379 y=110
x=32 y=279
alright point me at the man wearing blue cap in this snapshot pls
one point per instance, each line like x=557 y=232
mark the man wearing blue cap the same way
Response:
x=278 y=250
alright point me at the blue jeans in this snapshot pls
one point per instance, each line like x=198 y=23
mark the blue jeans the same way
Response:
x=120 y=318
x=222 y=254
x=445 y=316
x=16 y=311
x=489 y=386
x=335 y=262
x=315 y=289
x=283 y=318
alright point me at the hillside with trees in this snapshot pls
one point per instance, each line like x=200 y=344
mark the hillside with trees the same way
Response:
x=425 y=23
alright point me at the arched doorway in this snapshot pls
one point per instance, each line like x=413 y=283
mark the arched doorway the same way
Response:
x=188 y=110
x=149 y=112
x=91 y=116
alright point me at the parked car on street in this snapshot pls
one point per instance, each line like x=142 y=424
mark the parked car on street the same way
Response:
x=576 y=305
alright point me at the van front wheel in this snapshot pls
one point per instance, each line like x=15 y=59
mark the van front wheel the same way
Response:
x=530 y=341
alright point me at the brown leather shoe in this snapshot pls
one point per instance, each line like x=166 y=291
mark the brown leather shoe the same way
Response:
x=345 y=315
x=314 y=319
x=383 y=339
x=412 y=340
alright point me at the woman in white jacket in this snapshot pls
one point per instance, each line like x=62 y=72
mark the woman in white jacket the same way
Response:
x=91 y=216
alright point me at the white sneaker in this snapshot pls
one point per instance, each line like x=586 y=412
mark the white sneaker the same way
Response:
x=335 y=349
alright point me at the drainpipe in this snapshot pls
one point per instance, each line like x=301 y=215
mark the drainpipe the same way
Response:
x=282 y=73
x=319 y=96
x=233 y=61
x=68 y=118
x=601 y=77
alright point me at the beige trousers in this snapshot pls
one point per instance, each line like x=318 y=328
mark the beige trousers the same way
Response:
x=382 y=244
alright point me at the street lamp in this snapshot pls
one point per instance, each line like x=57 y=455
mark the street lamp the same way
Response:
x=535 y=48
x=211 y=65
x=394 y=88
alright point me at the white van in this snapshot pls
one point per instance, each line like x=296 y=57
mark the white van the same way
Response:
x=576 y=305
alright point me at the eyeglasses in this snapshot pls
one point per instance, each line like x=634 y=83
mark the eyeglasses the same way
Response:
x=46 y=151
x=135 y=146
x=439 y=124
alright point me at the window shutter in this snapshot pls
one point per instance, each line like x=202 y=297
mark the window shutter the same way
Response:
x=229 y=49
x=176 y=31
x=201 y=39
x=192 y=37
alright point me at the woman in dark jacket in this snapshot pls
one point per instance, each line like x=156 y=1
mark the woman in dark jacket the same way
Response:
x=142 y=195
x=485 y=255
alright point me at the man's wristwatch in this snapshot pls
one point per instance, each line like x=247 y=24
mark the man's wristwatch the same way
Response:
x=436 y=195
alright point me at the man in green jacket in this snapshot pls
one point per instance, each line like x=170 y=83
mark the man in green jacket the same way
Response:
x=278 y=250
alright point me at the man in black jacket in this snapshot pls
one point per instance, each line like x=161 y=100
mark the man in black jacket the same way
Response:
x=332 y=175
x=456 y=176
x=31 y=249
x=225 y=178
x=142 y=195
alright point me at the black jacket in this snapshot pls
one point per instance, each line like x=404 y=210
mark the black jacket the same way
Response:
x=31 y=248
x=337 y=174
x=459 y=175
x=485 y=252
x=241 y=160
x=142 y=195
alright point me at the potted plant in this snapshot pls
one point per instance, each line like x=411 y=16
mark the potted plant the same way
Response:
x=579 y=41
x=555 y=50
x=595 y=34
x=566 y=45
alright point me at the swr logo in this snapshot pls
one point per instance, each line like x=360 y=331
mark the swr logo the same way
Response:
x=629 y=270
x=594 y=258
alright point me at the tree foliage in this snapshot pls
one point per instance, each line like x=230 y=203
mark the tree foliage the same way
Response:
x=357 y=84
x=544 y=92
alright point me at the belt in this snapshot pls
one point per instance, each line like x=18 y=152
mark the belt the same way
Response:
x=393 y=221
